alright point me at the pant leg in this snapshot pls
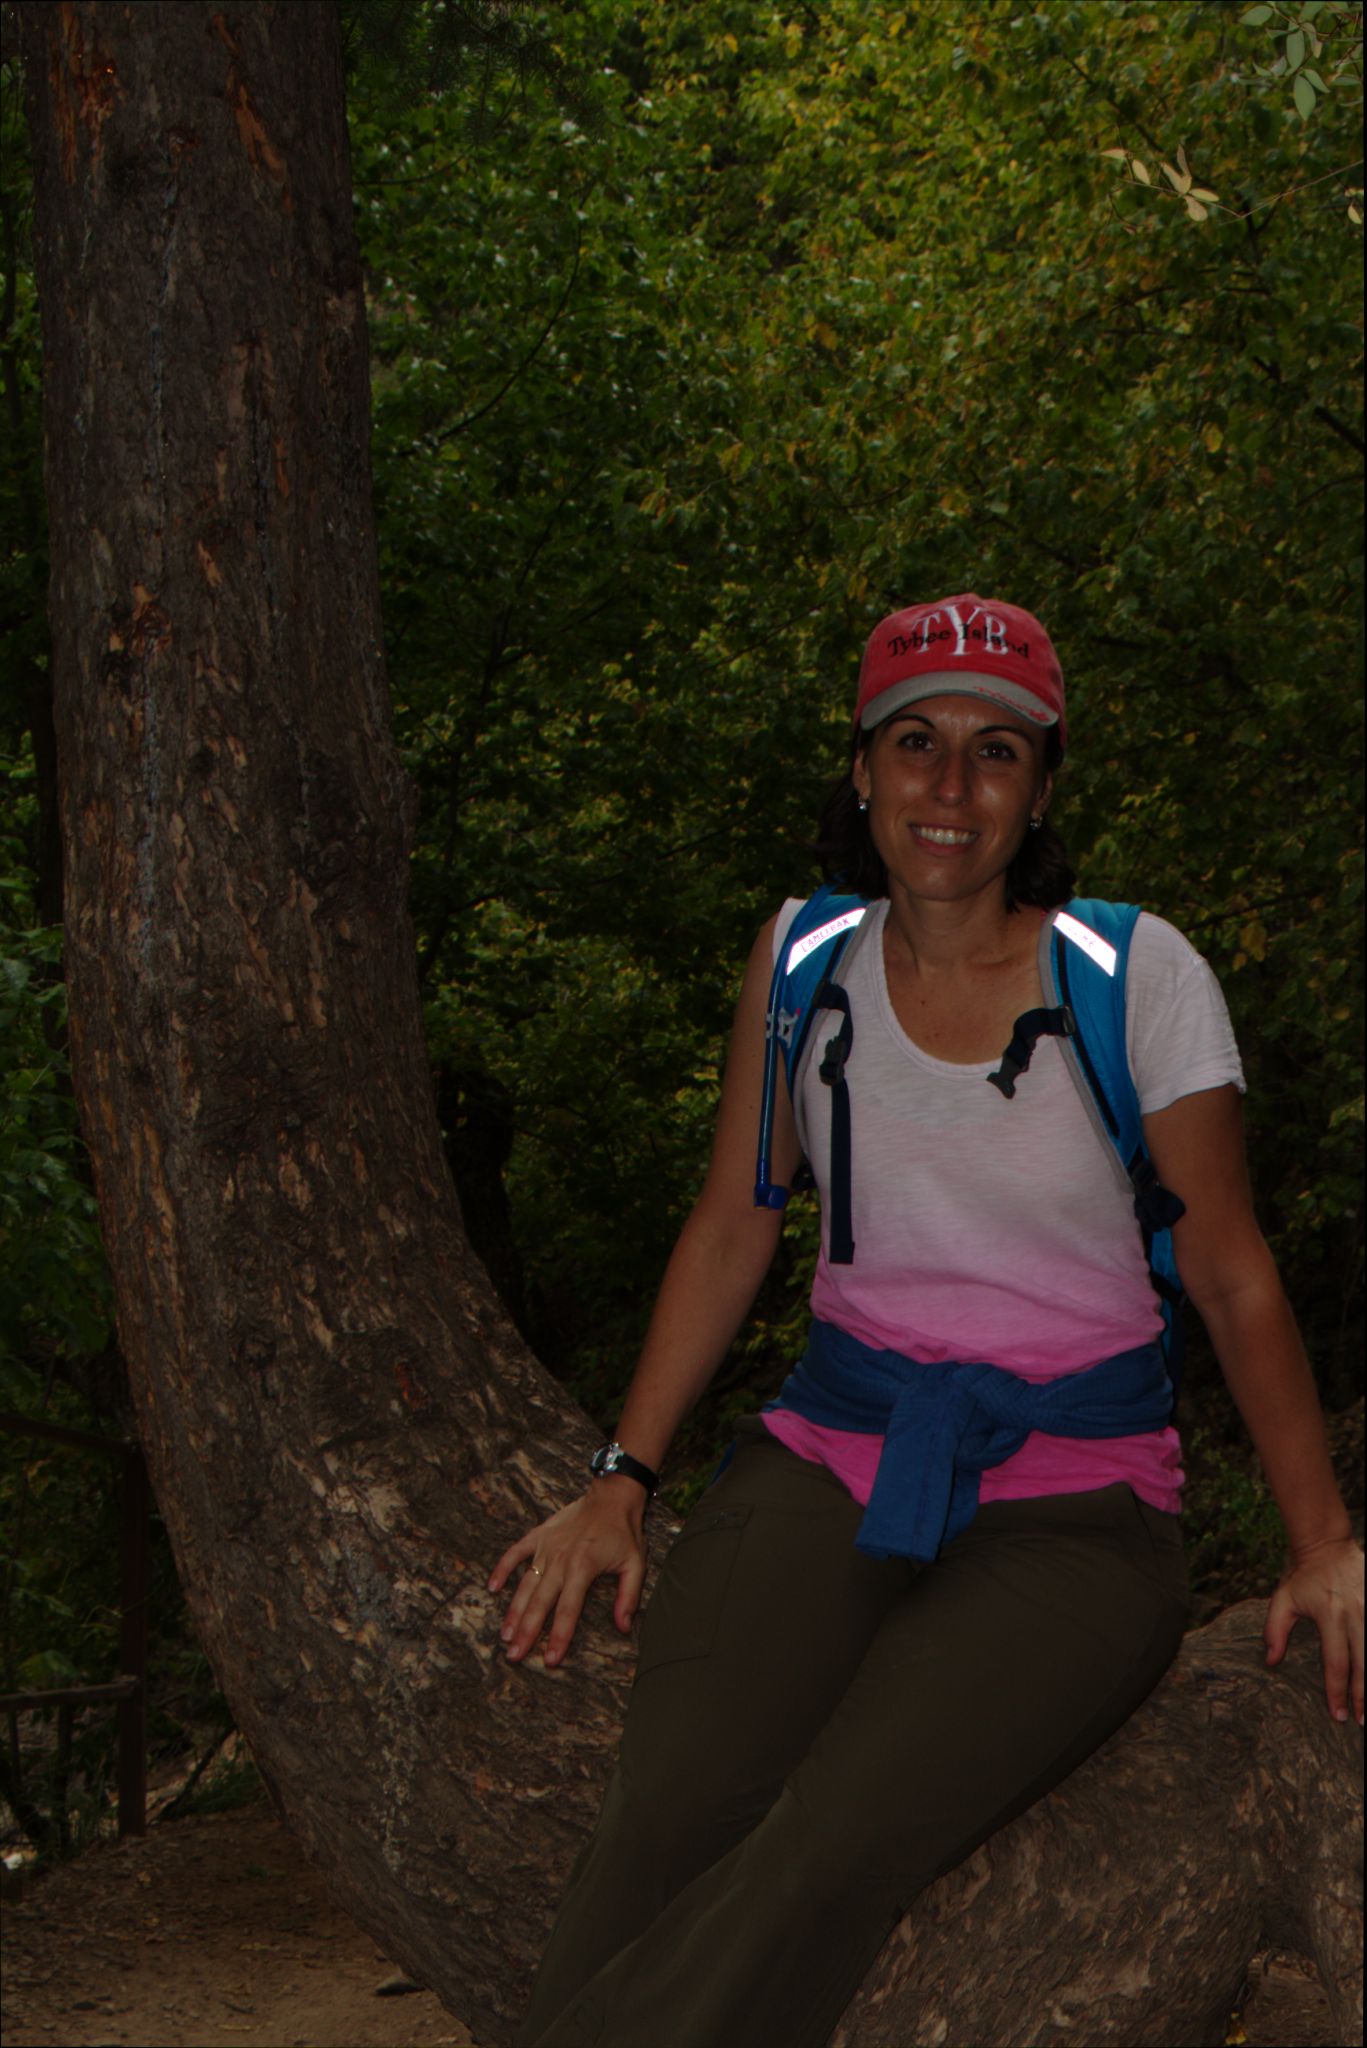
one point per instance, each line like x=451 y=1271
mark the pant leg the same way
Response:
x=992 y=1675
x=761 y=1614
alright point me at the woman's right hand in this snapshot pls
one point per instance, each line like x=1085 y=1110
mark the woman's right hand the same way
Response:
x=602 y=1531
x=713 y=1275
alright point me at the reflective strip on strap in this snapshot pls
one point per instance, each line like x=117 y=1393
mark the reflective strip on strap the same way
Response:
x=803 y=947
x=1095 y=948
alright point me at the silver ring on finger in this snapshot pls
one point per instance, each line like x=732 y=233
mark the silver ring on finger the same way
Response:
x=535 y=1570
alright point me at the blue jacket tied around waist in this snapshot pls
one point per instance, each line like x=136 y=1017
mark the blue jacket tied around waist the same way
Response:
x=944 y=1425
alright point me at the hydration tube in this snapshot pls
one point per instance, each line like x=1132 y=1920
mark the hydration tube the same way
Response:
x=767 y=1196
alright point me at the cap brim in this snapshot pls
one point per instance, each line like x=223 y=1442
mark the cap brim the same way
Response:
x=956 y=683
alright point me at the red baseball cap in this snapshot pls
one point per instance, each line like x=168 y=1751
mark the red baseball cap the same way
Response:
x=968 y=646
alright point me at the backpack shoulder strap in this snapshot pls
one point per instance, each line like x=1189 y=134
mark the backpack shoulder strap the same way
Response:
x=1084 y=961
x=816 y=940
x=1085 y=952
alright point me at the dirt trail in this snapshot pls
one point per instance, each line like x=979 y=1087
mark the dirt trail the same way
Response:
x=213 y=1932
x=210 y=1932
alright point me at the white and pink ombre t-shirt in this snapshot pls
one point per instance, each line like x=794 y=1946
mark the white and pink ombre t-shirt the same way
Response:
x=1000 y=1231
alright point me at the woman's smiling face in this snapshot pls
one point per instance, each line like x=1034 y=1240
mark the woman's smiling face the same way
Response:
x=951 y=785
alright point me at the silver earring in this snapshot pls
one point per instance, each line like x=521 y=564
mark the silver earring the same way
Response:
x=1035 y=824
x=863 y=803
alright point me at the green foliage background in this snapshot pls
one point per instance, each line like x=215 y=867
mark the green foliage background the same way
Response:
x=694 y=350
x=831 y=310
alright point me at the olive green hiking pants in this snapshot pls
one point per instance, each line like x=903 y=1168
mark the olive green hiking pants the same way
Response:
x=814 y=1736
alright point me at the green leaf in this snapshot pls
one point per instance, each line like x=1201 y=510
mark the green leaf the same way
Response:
x=1295 y=48
x=49 y=1668
x=1303 y=92
x=1255 y=17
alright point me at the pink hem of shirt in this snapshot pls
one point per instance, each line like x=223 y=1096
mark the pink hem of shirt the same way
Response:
x=1043 y=1465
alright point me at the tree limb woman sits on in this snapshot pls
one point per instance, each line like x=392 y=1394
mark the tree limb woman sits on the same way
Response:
x=944 y=1564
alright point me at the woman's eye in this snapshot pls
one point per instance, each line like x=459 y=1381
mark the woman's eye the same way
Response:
x=998 y=750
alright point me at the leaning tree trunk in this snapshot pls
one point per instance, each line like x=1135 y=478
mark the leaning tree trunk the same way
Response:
x=343 y=1430
x=1224 y=1817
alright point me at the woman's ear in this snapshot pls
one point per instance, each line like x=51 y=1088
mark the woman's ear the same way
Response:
x=859 y=771
x=1046 y=793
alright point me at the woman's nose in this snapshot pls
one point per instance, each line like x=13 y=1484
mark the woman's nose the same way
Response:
x=951 y=781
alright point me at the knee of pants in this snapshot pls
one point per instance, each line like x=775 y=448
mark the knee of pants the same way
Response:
x=662 y=1834
x=689 y=1772
x=860 y=1846
x=809 y=1855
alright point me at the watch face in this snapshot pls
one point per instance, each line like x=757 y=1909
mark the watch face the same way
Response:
x=605 y=1460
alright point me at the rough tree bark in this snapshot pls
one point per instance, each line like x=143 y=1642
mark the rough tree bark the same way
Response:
x=343 y=1429
x=1224 y=1817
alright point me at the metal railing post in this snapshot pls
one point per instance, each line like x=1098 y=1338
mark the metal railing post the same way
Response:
x=128 y=1692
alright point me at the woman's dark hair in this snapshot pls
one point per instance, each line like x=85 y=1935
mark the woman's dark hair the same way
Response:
x=1041 y=873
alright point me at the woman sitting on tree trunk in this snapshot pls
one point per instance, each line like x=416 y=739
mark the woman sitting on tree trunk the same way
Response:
x=945 y=1563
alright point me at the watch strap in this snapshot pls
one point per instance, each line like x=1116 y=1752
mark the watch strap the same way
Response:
x=612 y=1458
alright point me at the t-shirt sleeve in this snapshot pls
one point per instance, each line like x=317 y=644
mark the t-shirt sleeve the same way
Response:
x=785 y=923
x=1177 y=1027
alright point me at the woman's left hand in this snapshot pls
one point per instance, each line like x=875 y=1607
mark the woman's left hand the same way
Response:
x=1325 y=1586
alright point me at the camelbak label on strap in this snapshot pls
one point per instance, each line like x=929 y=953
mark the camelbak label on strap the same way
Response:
x=1095 y=948
x=828 y=931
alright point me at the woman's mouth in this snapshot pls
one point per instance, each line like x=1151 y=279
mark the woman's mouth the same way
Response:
x=943 y=835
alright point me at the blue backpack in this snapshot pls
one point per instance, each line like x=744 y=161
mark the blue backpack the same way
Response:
x=1084 y=954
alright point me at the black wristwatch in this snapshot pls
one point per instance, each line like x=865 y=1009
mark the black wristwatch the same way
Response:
x=612 y=1458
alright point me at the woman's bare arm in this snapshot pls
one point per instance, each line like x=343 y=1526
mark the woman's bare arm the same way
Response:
x=1226 y=1267
x=723 y=1252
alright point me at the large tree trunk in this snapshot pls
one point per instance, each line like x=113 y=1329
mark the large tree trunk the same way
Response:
x=343 y=1430
x=1224 y=1817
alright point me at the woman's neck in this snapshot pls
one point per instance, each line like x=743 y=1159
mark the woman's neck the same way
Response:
x=936 y=940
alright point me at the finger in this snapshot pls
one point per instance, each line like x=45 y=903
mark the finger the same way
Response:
x=1335 y=1658
x=568 y=1609
x=513 y=1555
x=630 y=1579
x=521 y=1597
x=529 y=1604
x=526 y=1616
x=523 y=1593
x=1281 y=1619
